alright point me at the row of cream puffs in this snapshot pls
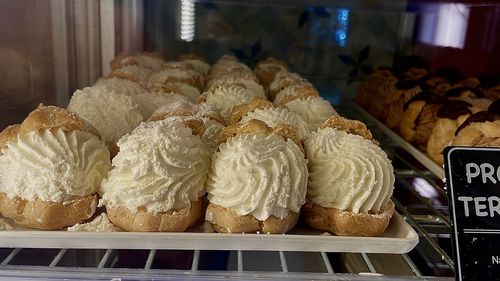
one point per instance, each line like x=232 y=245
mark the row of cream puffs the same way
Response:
x=137 y=85
x=258 y=181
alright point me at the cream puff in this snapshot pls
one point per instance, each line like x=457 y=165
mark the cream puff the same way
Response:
x=282 y=80
x=351 y=180
x=225 y=97
x=419 y=117
x=213 y=121
x=449 y=117
x=258 y=179
x=182 y=75
x=481 y=128
x=247 y=80
x=51 y=167
x=263 y=110
x=367 y=91
x=136 y=73
x=265 y=70
x=153 y=61
x=404 y=91
x=158 y=177
x=298 y=90
x=147 y=100
x=112 y=114
x=198 y=63
x=313 y=110
x=225 y=67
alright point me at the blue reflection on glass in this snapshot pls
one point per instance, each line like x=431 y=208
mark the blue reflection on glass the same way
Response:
x=342 y=26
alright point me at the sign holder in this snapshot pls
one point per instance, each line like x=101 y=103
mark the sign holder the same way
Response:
x=473 y=187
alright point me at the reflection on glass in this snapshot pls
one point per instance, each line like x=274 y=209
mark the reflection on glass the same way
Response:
x=444 y=25
x=425 y=189
x=187 y=20
x=341 y=32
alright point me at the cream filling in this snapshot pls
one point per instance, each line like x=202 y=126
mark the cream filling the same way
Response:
x=111 y=113
x=100 y=224
x=211 y=134
x=258 y=175
x=313 y=110
x=161 y=166
x=348 y=172
x=224 y=98
x=53 y=166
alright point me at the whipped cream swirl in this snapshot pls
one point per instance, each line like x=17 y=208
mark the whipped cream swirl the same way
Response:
x=161 y=166
x=223 y=98
x=53 y=165
x=348 y=172
x=258 y=175
x=313 y=110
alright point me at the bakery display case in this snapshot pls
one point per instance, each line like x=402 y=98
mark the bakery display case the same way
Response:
x=363 y=60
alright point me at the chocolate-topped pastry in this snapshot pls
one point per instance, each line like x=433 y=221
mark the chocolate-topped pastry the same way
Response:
x=490 y=83
x=395 y=94
x=489 y=80
x=426 y=96
x=414 y=73
x=472 y=82
x=419 y=117
x=407 y=84
x=480 y=129
x=464 y=91
x=427 y=83
x=495 y=107
x=478 y=117
x=450 y=74
x=450 y=116
x=453 y=109
x=406 y=89
x=473 y=96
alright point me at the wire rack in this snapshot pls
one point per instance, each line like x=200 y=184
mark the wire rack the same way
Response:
x=419 y=197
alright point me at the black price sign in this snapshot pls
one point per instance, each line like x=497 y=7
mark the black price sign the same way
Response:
x=473 y=180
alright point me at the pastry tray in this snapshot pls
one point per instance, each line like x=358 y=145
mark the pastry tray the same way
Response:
x=420 y=156
x=398 y=238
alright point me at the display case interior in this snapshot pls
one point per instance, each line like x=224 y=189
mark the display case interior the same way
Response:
x=52 y=49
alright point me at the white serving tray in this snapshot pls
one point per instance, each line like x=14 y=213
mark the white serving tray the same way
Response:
x=398 y=238
x=420 y=156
